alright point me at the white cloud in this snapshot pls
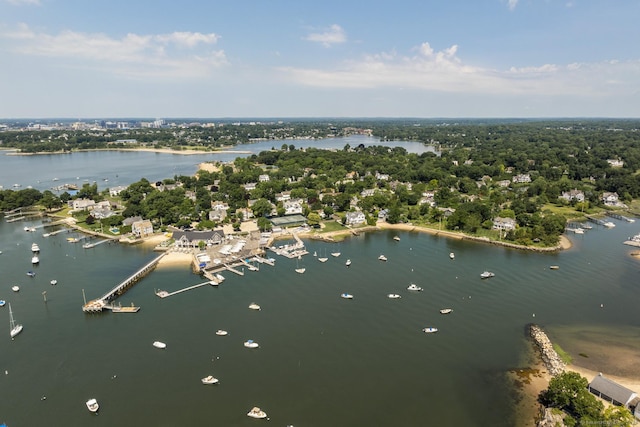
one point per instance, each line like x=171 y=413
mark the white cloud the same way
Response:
x=178 y=54
x=332 y=35
x=443 y=71
x=21 y=2
x=511 y=4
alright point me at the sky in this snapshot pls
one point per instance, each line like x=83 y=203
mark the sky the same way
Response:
x=331 y=58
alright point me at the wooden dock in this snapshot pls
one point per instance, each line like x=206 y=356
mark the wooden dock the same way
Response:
x=165 y=294
x=101 y=303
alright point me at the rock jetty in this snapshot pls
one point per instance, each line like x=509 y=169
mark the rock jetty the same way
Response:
x=550 y=358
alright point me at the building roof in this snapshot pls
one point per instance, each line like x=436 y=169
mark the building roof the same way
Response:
x=198 y=235
x=612 y=389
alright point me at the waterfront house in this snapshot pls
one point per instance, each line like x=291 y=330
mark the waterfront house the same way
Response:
x=129 y=221
x=504 y=223
x=142 y=228
x=192 y=239
x=610 y=199
x=115 y=191
x=293 y=207
x=574 y=194
x=81 y=204
x=355 y=218
x=611 y=391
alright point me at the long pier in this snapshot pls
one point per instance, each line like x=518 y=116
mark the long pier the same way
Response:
x=100 y=303
x=620 y=217
x=165 y=294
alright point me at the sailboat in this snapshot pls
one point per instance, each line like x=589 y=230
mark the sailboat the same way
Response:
x=323 y=258
x=300 y=269
x=14 y=328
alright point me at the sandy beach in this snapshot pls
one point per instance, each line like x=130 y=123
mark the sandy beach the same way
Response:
x=175 y=259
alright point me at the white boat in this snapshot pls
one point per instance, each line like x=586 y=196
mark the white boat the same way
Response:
x=35 y=259
x=430 y=330
x=315 y=253
x=221 y=332
x=323 y=259
x=31 y=273
x=35 y=248
x=346 y=296
x=14 y=328
x=159 y=344
x=254 y=306
x=301 y=270
x=452 y=255
x=578 y=230
x=486 y=274
x=609 y=224
x=414 y=287
x=54 y=282
x=209 y=380
x=92 y=405
x=396 y=238
x=446 y=310
x=554 y=267
x=2 y=302
x=219 y=277
x=393 y=296
x=29 y=229
x=348 y=263
x=382 y=258
x=251 y=344
x=256 y=412
x=335 y=254
x=15 y=288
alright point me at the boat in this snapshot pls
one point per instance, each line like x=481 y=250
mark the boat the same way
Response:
x=251 y=344
x=92 y=405
x=348 y=263
x=209 y=380
x=346 y=296
x=335 y=254
x=14 y=328
x=29 y=229
x=486 y=274
x=430 y=330
x=414 y=287
x=159 y=344
x=554 y=267
x=219 y=277
x=315 y=253
x=35 y=248
x=256 y=412
x=393 y=296
x=15 y=288
x=446 y=310
x=221 y=332
x=396 y=238
x=609 y=224
x=35 y=259
x=54 y=282
x=31 y=273
x=452 y=255
x=2 y=302
x=382 y=258
x=578 y=230
x=254 y=306
x=301 y=270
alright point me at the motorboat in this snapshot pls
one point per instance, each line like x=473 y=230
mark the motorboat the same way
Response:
x=251 y=344
x=31 y=273
x=14 y=328
x=554 y=267
x=446 y=310
x=35 y=248
x=393 y=296
x=35 y=259
x=414 y=287
x=323 y=259
x=430 y=330
x=209 y=380
x=29 y=229
x=256 y=412
x=221 y=333
x=346 y=296
x=54 y=282
x=2 y=302
x=335 y=254
x=92 y=405
x=452 y=255
x=486 y=274
x=159 y=344
x=15 y=288
x=254 y=306
x=301 y=270
x=348 y=263
x=396 y=238
x=382 y=258
x=219 y=277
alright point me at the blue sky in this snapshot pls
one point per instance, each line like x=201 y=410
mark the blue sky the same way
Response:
x=329 y=58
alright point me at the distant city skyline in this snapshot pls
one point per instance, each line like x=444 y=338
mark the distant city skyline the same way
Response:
x=408 y=58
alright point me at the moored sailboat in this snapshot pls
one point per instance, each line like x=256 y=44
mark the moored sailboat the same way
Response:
x=14 y=328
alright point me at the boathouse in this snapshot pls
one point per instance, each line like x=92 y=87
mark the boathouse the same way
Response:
x=611 y=391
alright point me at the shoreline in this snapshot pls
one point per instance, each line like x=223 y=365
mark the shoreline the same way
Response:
x=188 y=152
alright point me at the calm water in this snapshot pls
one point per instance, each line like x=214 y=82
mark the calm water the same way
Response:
x=113 y=168
x=323 y=360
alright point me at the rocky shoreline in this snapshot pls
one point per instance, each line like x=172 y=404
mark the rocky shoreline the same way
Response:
x=550 y=358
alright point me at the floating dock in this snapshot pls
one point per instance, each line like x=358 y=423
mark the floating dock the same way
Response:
x=165 y=294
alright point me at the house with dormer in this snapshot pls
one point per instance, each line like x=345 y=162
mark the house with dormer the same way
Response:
x=355 y=218
x=610 y=199
x=193 y=239
x=572 y=195
x=293 y=207
x=505 y=224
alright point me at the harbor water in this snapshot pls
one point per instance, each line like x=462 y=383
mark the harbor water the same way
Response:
x=322 y=360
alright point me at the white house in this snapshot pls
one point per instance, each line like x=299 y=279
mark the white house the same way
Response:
x=504 y=223
x=284 y=196
x=263 y=178
x=81 y=204
x=574 y=194
x=610 y=199
x=142 y=228
x=522 y=178
x=115 y=191
x=355 y=218
x=293 y=206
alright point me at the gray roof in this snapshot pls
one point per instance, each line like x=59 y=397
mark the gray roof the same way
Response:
x=199 y=235
x=612 y=389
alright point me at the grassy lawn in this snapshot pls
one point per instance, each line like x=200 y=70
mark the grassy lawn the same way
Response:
x=330 y=226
